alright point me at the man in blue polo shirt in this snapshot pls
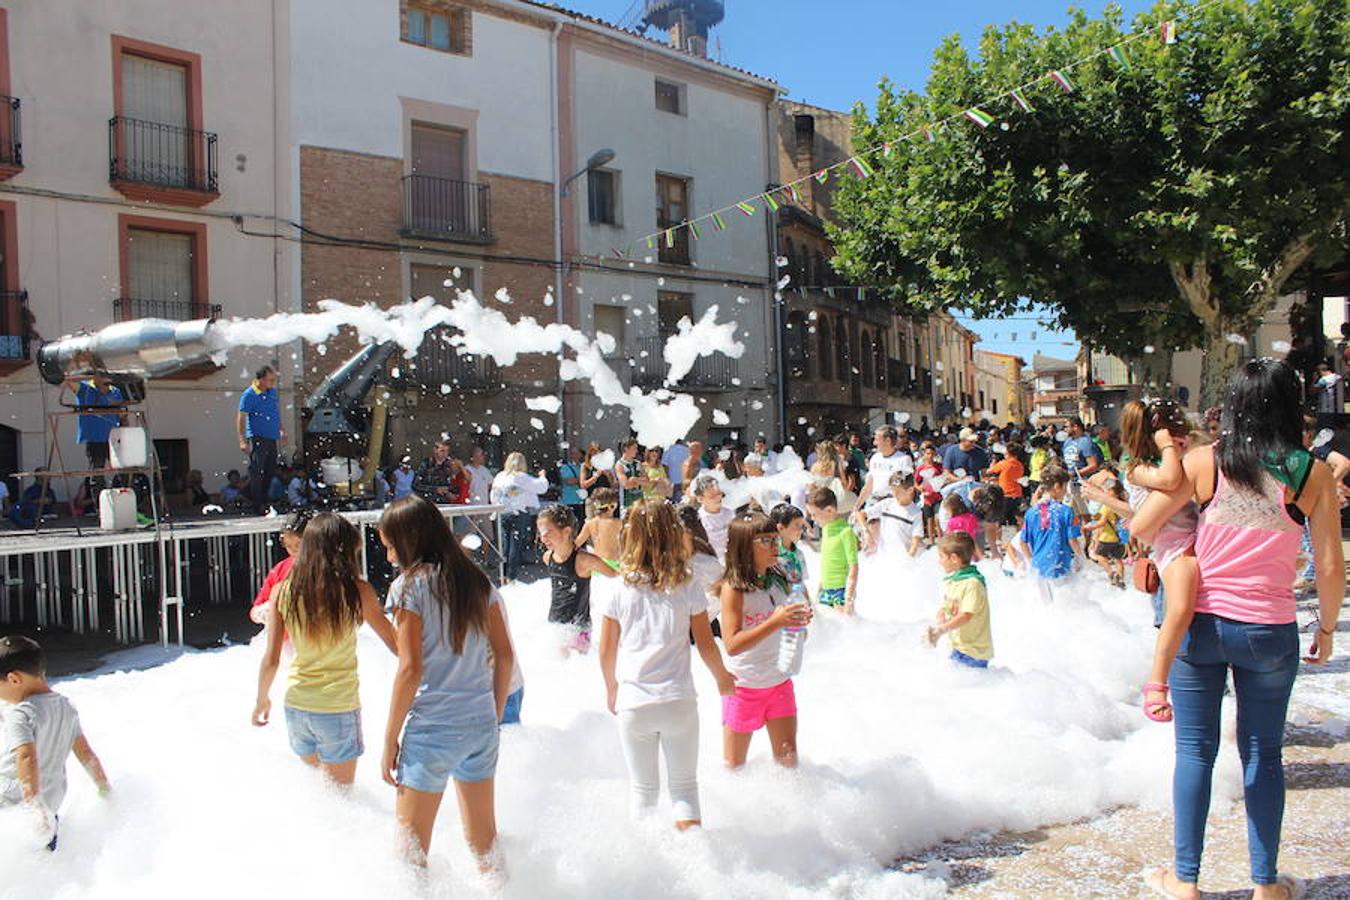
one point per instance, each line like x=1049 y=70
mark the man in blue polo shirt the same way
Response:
x=92 y=431
x=259 y=425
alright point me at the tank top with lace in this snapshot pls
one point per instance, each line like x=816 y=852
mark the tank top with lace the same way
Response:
x=1247 y=546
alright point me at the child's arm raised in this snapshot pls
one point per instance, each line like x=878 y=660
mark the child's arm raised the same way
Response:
x=406 y=679
x=609 y=657
x=1168 y=475
x=734 y=636
x=374 y=616
x=85 y=754
x=712 y=657
x=267 y=669
x=503 y=656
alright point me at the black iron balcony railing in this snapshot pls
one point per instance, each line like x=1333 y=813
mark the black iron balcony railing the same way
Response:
x=163 y=156
x=445 y=209
x=439 y=369
x=13 y=325
x=716 y=372
x=128 y=308
x=11 y=135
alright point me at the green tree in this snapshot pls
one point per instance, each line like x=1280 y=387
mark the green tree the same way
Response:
x=1162 y=202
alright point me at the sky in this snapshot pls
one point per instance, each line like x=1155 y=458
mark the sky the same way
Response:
x=832 y=54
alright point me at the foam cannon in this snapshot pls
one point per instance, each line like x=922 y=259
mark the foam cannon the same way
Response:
x=129 y=352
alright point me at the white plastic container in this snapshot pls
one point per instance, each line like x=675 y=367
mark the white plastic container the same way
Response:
x=340 y=470
x=117 y=509
x=127 y=448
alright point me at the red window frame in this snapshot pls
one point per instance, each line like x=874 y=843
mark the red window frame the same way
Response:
x=201 y=302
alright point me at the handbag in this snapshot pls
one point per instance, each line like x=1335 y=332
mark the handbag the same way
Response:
x=1146 y=577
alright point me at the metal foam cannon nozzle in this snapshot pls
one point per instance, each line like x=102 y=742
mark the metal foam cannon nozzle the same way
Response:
x=144 y=348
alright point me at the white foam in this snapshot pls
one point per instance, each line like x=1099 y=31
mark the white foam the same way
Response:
x=693 y=340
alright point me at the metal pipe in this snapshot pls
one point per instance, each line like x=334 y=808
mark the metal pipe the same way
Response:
x=143 y=348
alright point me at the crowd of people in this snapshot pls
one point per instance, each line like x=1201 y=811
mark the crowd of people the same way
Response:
x=701 y=548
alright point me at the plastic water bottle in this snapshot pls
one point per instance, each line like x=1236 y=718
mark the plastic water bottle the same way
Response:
x=792 y=638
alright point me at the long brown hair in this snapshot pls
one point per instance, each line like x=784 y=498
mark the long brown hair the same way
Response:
x=654 y=554
x=1138 y=422
x=423 y=543
x=740 y=572
x=324 y=585
x=693 y=526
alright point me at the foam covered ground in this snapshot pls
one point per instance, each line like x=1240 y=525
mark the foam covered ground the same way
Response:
x=900 y=750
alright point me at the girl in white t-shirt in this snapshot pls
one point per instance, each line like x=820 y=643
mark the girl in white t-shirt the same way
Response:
x=644 y=656
x=755 y=610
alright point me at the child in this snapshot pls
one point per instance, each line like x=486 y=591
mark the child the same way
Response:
x=290 y=542
x=959 y=516
x=603 y=529
x=321 y=606
x=703 y=562
x=1153 y=438
x=896 y=523
x=404 y=476
x=1108 y=550
x=715 y=517
x=964 y=614
x=838 y=550
x=927 y=475
x=1050 y=536
x=40 y=730
x=644 y=656
x=791 y=524
x=455 y=664
x=755 y=610
x=656 y=484
x=569 y=571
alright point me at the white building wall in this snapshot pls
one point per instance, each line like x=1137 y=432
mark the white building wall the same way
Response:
x=61 y=65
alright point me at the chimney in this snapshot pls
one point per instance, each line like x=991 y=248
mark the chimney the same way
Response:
x=685 y=21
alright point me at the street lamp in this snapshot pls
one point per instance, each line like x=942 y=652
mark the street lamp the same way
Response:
x=598 y=159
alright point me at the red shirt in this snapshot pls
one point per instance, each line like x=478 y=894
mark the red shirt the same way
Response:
x=275 y=577
x=926 y=473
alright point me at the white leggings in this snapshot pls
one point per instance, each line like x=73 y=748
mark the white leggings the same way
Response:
x=673 y=727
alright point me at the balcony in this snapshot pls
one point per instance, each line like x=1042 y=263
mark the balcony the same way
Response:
x=710 y=373
x=14 y=331
x=127 y=308
x=438 y=365
x=11 y=138
x=162 y=163
x=442 y=209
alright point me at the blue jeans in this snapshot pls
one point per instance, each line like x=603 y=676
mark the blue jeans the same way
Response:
x=516 y=537
x=1264 y=661
x=965 y=660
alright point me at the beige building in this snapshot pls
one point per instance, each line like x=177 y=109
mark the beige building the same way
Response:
x=998 y=387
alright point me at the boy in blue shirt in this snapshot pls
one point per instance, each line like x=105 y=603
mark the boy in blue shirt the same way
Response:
x=1050 y=534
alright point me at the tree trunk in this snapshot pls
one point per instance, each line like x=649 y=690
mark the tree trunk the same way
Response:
x=1221 y=359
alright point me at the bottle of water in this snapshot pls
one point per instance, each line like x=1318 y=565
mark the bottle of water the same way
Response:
x=793 y=636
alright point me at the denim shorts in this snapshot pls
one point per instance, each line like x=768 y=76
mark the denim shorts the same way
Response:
x=332 y=737
x=430 y=755
x=967 y=660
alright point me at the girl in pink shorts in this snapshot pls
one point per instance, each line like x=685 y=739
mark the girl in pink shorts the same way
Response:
x=755 y=610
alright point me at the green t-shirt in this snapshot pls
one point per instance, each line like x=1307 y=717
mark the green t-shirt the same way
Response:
x=838 y=553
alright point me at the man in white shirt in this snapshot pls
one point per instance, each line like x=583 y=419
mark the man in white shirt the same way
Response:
x=885 y=462
x=673 y=459
x=766 y=453
x=480 y=477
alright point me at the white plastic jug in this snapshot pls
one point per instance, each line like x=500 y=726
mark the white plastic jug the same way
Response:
x=340 y=470
x=117 y=509
x=127 y=448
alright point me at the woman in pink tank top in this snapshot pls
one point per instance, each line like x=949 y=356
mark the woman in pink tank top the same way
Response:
x=1255 y=487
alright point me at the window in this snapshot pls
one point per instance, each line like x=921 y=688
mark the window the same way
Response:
x=163 y=264
x=981 y=399
x=610 y=319
x=11 y=147
x=172 y=454
x=804 y=127
x=993 y=402
x=429 y=281
x=438 y=198
x=798 y=345
x=825 y=348
x=671 y=308
x=14 y=325
x=669 y=97
x=672 y=208
x=438 y=28
x=603 y=193
x=438 y=362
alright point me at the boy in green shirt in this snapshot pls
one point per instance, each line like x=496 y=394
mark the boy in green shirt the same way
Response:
x=838 y=550
x=964 y=614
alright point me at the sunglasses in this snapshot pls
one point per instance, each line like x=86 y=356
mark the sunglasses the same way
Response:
x=766 y=540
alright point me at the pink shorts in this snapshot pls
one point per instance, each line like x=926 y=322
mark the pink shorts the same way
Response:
x=748 y=709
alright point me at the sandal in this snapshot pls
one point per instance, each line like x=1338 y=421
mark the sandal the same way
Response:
x=1296 y=887
x=1157 y=710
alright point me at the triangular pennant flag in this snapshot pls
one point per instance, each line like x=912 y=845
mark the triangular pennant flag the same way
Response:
x=1062 y=80
x=928 y=133
x=770 y=202
x=1021 y=100
x=1167 y=32
x=1121 y=57
x=860 y=167
x=619 y=254
x=793 y=194
x=886 y=149
x=670 y=237
x=979 y=117
x=746 y=208
x=822 y=176
x=719 y=223
x=695 y=230
x=651 y=242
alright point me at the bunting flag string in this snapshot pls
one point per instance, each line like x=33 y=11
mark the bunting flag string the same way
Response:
x=1165 y=32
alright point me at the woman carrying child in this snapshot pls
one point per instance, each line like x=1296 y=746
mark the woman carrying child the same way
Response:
x=644 y=656
x=755 y=610
x=321 y=606
x=454 y=674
